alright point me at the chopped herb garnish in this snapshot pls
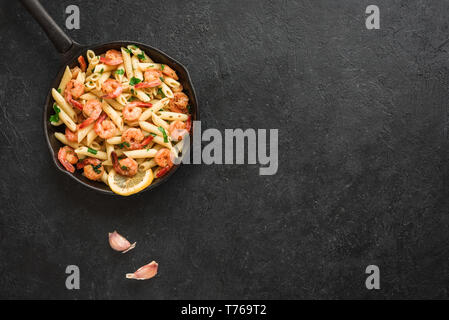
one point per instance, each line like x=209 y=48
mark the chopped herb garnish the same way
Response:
x=127 y=50
x=93 y=151
x=164 y=134
x=123 y=144
x=102 y=70
x=141 y=56
x=162 y=79
x=153 y=134
x=134 y=81
x=90 y=82
x=160 y=92
x=132 y=91
x=59 y=90
x=189 y=108
x=162 y=66
x=120 y=71
x=55 y=117
x=134 y=46
x=124 y=168
x=152 y=66
x=131 y=98
x=96 y=168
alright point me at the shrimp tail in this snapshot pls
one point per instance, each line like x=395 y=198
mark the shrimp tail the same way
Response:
x=110 y=62
x=67 y=165
x=86 y=123
x=82 y=63
x=76 y=104
x=140 y=104
x=163 y=171
x=189 y=123
x=114 y=94
x=150 y=84
x=146 y=141
x=115 y=163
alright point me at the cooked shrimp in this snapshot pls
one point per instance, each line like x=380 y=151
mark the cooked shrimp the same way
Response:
x=93 y=169
x=68 y=158
x=75 y=71
x=177 y=130
x=135 y=138
x=74 y=90
x=92 y=110
x=169 y=72
x=131 y=112
x=163 y=158
x=112 y=58
x=126 y=167
x=179 y=102
x=111 y=88
x=70 y=135
x=152 y=79
x=105 y=129
x=82 y=63
x=177 y=89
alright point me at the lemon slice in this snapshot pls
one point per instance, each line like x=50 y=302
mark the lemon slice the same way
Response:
x=126 y=186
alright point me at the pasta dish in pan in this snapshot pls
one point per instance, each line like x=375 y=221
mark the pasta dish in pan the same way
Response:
x=125 y=117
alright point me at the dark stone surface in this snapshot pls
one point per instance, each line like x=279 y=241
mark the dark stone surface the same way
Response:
x=363 y=119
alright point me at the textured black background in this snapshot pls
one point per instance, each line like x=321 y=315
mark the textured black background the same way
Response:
x=363 y=119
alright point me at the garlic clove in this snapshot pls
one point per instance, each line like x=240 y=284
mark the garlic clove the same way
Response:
x=119 y=243
x=143 y=273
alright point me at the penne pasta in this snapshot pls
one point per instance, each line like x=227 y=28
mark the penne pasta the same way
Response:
x=127 y=63
x=64 y=117
x=60 y=101
x=113 y=114
x=61 y=137
x=66 y=77
x=82 y=133
x=88 y=152
x=142 y=153
x=159 y=122
x=173 y=116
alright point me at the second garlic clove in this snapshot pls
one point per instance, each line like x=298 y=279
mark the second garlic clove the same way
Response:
x=146 y=272
x=120 y=243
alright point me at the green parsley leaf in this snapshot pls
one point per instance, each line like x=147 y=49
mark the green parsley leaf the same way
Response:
x=134 y=81
x=141 y=56
x=123 y=144
x=153 y=134
x=127 y=50
x=189 y=108
x=134 y=46
x=55 y=117
x=102 y=70
x=159 y=92
x=162 y=79
x=162 y=66
x=164 y=134
x=93 y=151
x=124 y=168
x=96 y=168
x=120 y=71
x=59 y=90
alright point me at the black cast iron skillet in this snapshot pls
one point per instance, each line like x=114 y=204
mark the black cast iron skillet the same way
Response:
x=70 y=51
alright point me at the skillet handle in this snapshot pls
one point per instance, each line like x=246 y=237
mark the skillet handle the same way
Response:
x=61 y=41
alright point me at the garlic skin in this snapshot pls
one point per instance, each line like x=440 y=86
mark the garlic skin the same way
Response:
x=143 y=273
x=119 y=243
